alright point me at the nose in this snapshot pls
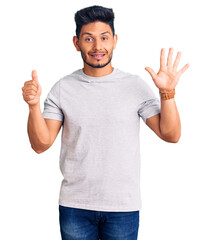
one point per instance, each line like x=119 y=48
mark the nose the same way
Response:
x=97 y=44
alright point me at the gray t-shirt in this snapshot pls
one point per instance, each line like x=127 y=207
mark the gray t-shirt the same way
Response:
x=100 y=148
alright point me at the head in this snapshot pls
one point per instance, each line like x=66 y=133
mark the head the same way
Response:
x=95 y=35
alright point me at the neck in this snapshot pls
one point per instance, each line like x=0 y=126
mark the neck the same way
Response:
x=97 y=72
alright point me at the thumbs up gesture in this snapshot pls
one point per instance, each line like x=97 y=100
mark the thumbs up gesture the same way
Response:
x=31 y=90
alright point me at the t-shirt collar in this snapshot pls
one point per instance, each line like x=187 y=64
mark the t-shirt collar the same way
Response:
x=97 y=79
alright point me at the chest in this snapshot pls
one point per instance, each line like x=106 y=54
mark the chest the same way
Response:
x=94 y=102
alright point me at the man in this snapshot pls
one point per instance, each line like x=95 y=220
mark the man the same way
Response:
x=99 y=108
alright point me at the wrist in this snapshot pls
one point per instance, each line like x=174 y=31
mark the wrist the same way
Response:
x=165 y=95
x=34 y=107
x=166 y=91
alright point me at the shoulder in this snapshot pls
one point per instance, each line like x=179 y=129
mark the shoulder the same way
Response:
x=133 y=77
x=70 y=76
x=125 y=74
x=55 y=88
x=136 y=80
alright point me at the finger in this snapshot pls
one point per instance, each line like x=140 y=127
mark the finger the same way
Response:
x=31 y=83
x=151 y=72
x=34 y=75
x=27 y=82
x=181 y=71
x=169 y=59
x=30 y=92
x=162 y=58
x=176 y=62
x=30 y=86
x=28 y=97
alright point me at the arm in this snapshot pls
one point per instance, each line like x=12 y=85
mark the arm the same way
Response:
x=42 y=132
x=167 y=124
x=170 y=125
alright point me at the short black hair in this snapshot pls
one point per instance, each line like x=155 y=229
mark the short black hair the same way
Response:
x=92 y=14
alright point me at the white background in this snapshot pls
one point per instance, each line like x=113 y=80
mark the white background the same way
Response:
x=175 y=178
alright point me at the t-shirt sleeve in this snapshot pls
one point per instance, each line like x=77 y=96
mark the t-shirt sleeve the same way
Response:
x=150 y=104
x=52 y=108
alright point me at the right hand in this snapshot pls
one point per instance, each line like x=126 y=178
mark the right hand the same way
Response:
x=32 y=90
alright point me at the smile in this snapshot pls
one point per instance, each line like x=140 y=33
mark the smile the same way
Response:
x=98 y=56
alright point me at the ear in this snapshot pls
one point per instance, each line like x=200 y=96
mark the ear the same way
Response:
x=115 y=40
x=75 y=42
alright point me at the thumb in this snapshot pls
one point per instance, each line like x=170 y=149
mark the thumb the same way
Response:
x=34 y=75
x=151 y=72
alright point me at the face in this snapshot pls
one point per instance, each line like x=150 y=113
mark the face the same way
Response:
x=96 y=44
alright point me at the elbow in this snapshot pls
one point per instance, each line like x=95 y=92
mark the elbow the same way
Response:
x=171 y=138
x=39 y=150
x=177 y=137
x=175 y=140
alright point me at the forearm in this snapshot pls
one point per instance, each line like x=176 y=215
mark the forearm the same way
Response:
x=37 y=129
x=170 y=125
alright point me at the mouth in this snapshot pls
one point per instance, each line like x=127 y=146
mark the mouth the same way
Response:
x=97 y=56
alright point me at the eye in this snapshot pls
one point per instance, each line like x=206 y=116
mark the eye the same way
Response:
x=105 y=38
x=87 y=39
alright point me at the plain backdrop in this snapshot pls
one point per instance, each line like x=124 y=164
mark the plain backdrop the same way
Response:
x=175 y=178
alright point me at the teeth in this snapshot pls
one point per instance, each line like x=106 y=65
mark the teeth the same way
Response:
x=97 y=55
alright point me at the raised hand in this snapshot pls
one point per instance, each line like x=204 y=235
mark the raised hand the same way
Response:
x=32 y=90
x=167 y=77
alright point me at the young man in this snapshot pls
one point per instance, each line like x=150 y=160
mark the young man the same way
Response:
x=99 y=108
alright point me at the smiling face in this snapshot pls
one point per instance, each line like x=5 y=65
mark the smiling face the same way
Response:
x=96 y=44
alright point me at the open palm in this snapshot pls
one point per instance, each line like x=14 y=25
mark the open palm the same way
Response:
x=167 y=77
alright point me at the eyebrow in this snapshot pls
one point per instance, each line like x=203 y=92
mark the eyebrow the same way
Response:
x=92 y=34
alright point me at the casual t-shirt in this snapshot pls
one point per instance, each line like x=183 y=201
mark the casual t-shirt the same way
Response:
x=100 y=148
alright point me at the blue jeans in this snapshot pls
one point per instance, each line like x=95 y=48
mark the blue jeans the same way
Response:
x=83 y=224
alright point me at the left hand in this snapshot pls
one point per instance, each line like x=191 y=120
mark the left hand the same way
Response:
x=167 y=77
